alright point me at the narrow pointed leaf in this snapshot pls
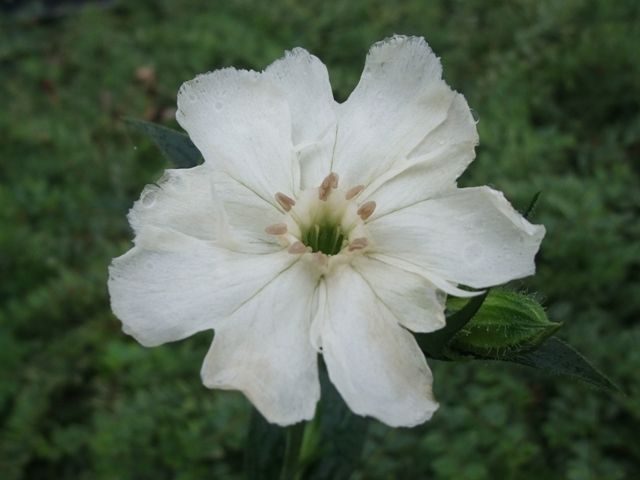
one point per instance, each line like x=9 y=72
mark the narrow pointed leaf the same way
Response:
x=532 y=205
x=559 y=358
x=176 y=146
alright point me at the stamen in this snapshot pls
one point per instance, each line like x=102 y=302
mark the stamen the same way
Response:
x=358 y=244
x=330 y=182
x=366 y=209
x=334 y=180
x=353 y=192
x=298 y=248
x=276 y=229
x=321 y=259
x=285 y=201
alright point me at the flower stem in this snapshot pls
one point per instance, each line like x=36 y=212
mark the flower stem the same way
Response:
x=290 y=463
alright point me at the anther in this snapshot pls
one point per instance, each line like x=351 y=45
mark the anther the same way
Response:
x=330 y=182
x=334 y=179
x=321 y=258
x=366 y=209
x=276 y=229
x=297 y=248
x=354 y=192
x=358 y=244
x=285 y=201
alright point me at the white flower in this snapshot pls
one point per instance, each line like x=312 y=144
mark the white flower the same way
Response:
x=314 y=226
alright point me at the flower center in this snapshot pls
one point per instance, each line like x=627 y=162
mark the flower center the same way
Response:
x=325 y=238
x=325 y=222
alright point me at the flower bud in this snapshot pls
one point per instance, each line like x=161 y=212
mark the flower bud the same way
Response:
x=506 y=324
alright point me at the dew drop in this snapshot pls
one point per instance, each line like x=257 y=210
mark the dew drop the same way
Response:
x=218 y=105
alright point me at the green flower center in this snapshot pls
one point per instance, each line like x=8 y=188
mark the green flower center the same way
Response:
x=326 y=238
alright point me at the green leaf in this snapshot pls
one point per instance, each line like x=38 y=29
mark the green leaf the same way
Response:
x=532 y=205
x=328 y=447
x=333 y=443
x=435 y=344
x=264 y=448
x=176 y=146
x=559 y=358
x=506 y=323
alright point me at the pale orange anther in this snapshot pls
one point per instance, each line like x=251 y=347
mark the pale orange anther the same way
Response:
x=321 y=258
x=354 y=192
x=330 y=182
x=366 y=209
x=334 y=180
x=285 y=201
x=276 y=229
x=298 y=248
x=358 y=244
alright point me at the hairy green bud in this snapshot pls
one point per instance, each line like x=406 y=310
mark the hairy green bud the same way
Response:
x=506 y=324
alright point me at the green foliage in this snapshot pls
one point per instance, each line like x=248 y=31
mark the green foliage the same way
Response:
x=176 y=146
x=329 y=447
x=555 y=89
x=558 y=358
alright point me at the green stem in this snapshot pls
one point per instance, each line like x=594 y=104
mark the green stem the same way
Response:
x=292 y=451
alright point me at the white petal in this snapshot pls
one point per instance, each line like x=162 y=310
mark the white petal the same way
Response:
x=264 y=351
x=400 y=98
x=182 y=200
x=170 y=286
x=241 y=123
x=414 y=301
x=471 y=236
x=433 y=166
x=437 y=280
x=375 y=364
x=247 y=215
x=305 y=81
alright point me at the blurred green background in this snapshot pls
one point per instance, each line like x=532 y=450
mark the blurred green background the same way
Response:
x=555 y=87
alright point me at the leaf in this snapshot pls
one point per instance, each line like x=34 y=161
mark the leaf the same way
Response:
x=329 y=446
x=176 y=146
x=506 y=323
x=264 y=448
x=434 y=344
x=532 y=205
x=333 y=443
x=557 y=357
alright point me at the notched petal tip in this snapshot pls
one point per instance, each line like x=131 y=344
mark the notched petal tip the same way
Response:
x=389 y=47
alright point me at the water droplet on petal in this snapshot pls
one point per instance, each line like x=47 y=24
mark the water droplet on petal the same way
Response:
x=218 y=105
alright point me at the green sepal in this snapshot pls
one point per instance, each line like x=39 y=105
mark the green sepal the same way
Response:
x=176 y=146
x=507 y=323
x=557 y=357
x=435 y=344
